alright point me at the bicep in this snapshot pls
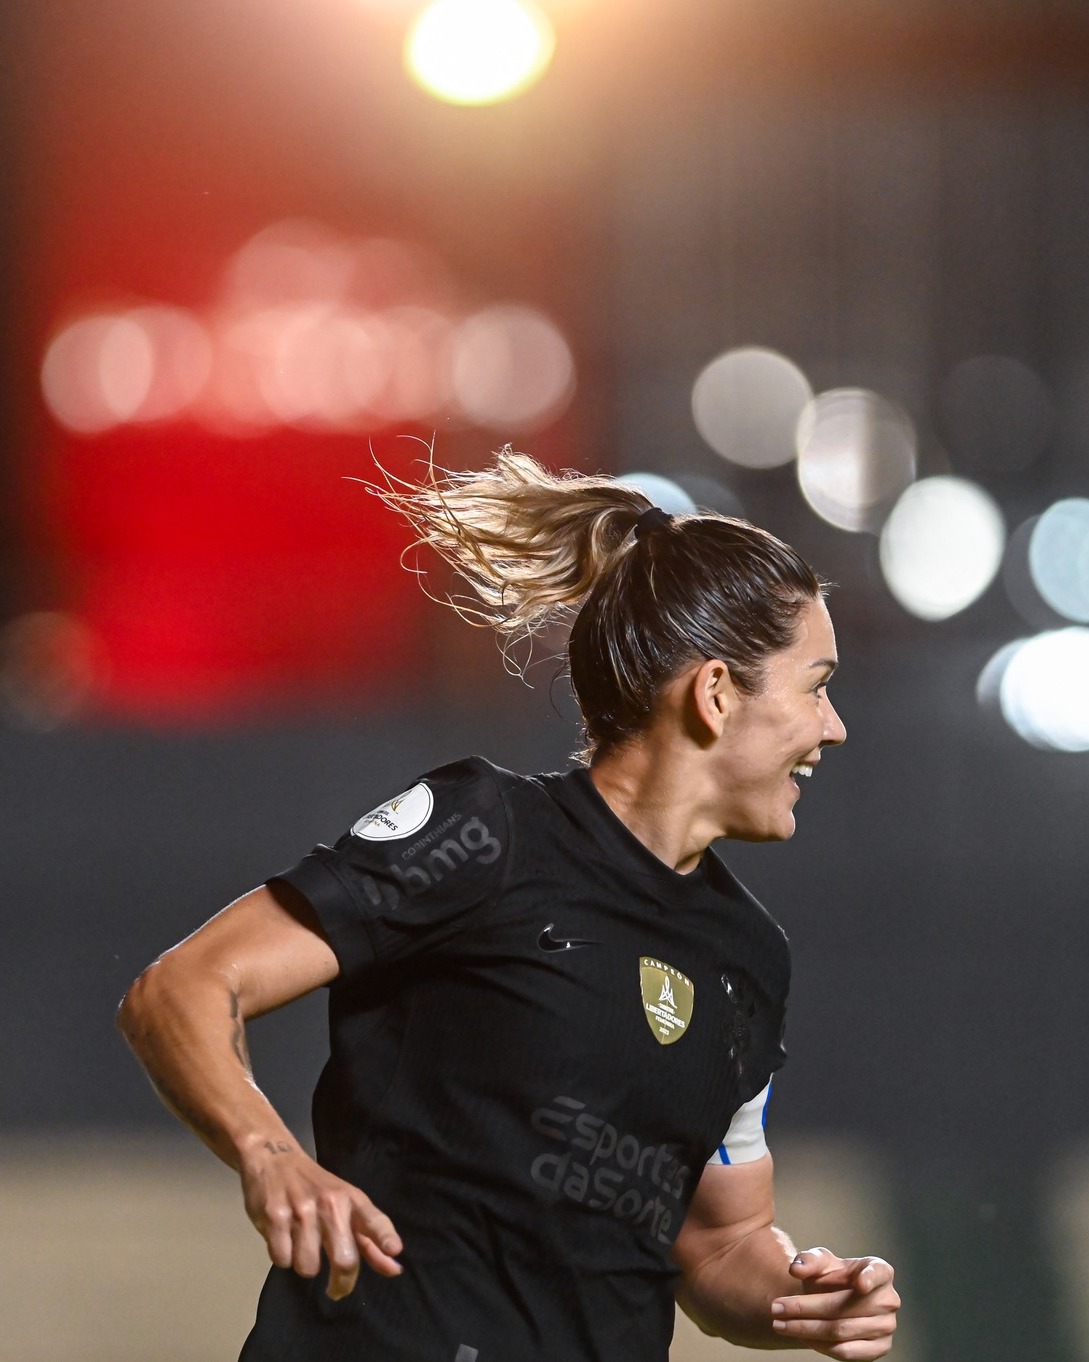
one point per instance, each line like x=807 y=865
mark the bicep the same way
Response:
x=731 y=1202
x=267 y=945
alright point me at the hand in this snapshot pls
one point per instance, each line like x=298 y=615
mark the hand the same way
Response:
x=847 y=1309
x=301 y=1210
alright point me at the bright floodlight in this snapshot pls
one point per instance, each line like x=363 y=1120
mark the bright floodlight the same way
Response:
x=746 y=405
x=663 y=492
x=856 y=454
x=512 y=369
x=479 y=51
x=1044 y=690
x=1058 y=558
x=941 y=546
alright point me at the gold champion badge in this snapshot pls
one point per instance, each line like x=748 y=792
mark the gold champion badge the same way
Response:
x=668 y=996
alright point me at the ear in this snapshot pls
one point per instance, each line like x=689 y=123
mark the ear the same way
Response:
x=714 y=696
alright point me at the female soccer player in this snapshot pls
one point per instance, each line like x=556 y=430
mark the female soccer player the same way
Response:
x=554 y=1012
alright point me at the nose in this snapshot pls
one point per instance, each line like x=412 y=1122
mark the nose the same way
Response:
x=835 y=731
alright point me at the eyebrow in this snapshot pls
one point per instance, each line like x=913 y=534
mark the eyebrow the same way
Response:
x=829 y=663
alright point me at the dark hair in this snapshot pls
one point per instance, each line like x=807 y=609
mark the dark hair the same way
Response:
x=536 y=546
x=702 y=586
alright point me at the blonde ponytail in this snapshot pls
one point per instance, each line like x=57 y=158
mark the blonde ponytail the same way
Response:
x=530 y=543
x=536 y=547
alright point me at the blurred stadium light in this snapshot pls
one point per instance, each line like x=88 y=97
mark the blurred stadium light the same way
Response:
x=479 y=51
x=856 y=454
x=512 y=369
x=1058 y=558
x=51 y=669
x=320 y=332
x=746 y=405
x=662 y=492
x=941 y=546
x=1042 y=688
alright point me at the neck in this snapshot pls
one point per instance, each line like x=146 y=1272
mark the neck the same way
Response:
x=657 y=793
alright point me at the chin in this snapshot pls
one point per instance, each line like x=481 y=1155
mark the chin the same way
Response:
x=778 y=834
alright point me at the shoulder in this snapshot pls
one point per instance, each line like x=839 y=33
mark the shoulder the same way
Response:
x=454 y=792
x=413 y=869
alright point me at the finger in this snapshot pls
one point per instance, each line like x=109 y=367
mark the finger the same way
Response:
x=815 y=1262
x=873 y=1273
x=819 y=1305
x=340 y=1247
x=826 y=1271
x=831 y=1304
x=857 y=1352
x=275 y=1226
x=831 y=1332
x=375 y=1236
x=305 y=1239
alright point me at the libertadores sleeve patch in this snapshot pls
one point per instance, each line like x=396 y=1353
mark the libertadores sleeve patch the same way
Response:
x=399 y=817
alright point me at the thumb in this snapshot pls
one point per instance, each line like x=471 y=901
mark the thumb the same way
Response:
x=815 y=1262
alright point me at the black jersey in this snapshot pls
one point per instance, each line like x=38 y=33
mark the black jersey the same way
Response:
x=539 y=1035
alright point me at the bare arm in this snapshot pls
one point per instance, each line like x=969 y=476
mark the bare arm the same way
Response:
x=185 y=1020
x=742 y=1280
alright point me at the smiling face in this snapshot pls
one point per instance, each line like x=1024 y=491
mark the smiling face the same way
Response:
x=769 y=739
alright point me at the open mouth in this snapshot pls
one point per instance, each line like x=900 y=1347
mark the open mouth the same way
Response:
x=803 y=768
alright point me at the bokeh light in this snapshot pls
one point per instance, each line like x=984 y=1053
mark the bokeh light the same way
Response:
x=989 y=685
x=661 y=491
x=147 y=364
x=512 y=369
x=51 y=665
x=479 y=51
x=1043 y=688
x=746 y=405
x=941 y=546
x=997 y=414
x=856 y=454
x=181 y=361
x=711 y=495
x=320 y=331
x=292 y=261
x=97 y=372
x=1058 y=558
x=1017 y=580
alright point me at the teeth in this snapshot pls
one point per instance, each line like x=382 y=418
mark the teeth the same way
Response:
x=801 y=770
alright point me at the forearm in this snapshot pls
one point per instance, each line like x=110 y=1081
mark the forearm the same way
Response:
x=187 y=1029
x=730 y=1295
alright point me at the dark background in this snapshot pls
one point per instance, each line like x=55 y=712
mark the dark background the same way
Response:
x=881 y=194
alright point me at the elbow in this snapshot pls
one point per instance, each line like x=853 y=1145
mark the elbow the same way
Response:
x=136 y=1009
x=165 y=999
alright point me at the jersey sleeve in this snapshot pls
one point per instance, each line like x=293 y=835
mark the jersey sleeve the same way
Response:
x=745 y=1141
x=408 y=875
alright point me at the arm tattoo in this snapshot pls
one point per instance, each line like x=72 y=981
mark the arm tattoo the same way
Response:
x=279 y=1147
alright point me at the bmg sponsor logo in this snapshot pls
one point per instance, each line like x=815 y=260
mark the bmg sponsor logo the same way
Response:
x=472 y=841
x=600 y=1168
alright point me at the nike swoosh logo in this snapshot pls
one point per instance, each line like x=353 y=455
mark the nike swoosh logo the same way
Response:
x=548 y=942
